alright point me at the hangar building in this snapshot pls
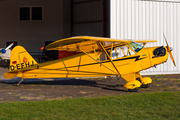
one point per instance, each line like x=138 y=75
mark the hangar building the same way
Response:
x=36 y=23
x=149 y=19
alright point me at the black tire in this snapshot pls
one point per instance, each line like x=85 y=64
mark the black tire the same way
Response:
x=138 y=79
x=145 y=85
x=133 y=90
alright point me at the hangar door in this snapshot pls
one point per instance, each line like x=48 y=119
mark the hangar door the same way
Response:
x=88 y=17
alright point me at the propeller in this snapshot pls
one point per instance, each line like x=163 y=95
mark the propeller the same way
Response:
x=169 y=50
x=4 y=50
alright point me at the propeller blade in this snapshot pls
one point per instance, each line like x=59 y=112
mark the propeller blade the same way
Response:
x=165 y=40
x=169 y=50
x=172 y=58
x=10 y=46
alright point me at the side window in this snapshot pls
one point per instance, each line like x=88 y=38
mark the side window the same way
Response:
x=102 y=56
x=135 y=46
x=117 y=52
x=124 y=51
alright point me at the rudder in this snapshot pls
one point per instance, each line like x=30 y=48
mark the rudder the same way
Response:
x=20 y=59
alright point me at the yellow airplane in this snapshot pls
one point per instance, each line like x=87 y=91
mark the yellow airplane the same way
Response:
x=94 y=59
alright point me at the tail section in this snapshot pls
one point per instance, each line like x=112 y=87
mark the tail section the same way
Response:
x=20 y=59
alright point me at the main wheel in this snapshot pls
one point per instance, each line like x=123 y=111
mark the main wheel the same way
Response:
x=145 y=85
x=132 y=86
x=133 y=90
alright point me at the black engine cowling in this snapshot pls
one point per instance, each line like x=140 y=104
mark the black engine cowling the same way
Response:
x=158 y=52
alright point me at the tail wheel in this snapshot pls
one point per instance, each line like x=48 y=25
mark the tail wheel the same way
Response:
x=133 y=90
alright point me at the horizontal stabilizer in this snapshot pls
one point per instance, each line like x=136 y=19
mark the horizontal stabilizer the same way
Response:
x=10 y=75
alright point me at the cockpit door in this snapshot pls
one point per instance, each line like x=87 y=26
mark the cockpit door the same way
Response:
x=145 y=59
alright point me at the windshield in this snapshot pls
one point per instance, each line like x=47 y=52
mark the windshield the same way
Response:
x=135 y=46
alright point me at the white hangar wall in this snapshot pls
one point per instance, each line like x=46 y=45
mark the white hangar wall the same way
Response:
x=148 y=19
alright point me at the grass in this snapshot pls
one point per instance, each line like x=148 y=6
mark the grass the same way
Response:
x=150 y=106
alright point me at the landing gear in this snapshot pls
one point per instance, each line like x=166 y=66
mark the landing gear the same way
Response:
x=18 y=84
x=135 y=81
x=133 y=86
x=145 y=85
x=133 y=90
x=146 y=82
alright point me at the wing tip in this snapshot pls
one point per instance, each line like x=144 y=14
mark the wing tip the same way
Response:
x=145 y=41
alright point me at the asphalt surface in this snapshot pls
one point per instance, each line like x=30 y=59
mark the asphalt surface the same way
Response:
x=58 y=89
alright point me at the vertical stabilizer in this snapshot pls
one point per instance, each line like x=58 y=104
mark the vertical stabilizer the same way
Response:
x=20 y=59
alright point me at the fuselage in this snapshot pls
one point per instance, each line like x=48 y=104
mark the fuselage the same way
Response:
x=83 y=65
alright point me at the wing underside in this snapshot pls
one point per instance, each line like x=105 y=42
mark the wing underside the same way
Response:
x=84 y=42
x=88 y=43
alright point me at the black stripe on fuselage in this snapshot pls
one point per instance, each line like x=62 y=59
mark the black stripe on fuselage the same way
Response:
x=134 y=57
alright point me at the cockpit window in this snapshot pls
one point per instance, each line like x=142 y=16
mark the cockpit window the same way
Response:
x=122 y=50
x=135 y=46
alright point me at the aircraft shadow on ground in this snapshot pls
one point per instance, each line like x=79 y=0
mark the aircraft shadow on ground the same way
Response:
x=75 y=82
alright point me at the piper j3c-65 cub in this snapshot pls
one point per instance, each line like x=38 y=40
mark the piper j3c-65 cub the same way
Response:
x=94 y=59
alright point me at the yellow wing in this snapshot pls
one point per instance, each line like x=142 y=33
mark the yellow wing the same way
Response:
x=88 y=43
x=144 y=41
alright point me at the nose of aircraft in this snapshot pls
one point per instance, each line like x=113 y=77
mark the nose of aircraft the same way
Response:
x=171 y=49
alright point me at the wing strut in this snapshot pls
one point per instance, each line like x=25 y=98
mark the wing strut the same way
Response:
x=66 y=69
x=95 y=60
x=111 y=49
x=109 y=58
